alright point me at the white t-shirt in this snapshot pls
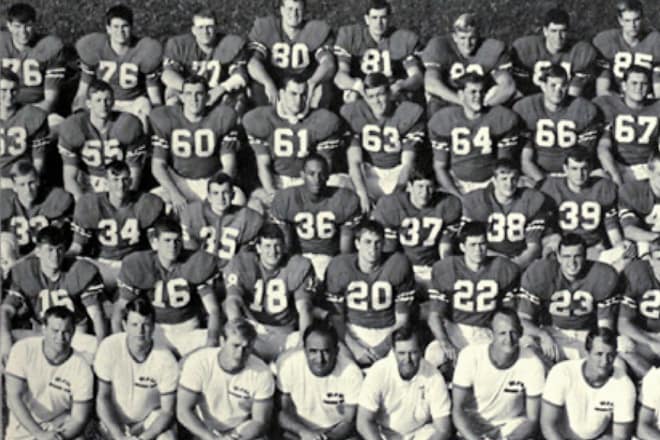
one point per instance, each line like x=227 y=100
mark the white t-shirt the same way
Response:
x=404 y=406
x=590 y=410
x=52 y=388
x=499 y=393
x=319 y=400
x=226 y=398
x=649 y=395
x=137 y=386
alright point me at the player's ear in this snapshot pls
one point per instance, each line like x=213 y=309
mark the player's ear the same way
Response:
x=461 y=246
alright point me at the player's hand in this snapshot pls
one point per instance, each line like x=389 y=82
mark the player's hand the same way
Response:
x=48 y=435
x=178 y=202
x=5 y=348
x=448 y=349
x=616 y=177
x=629 y=249
x=365 y=203
x=214 y=95
x=311 y=435
x=271 y=93
x=655 y=347
x=548 y=346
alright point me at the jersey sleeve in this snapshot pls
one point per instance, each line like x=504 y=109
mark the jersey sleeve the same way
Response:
x=405 y=287
x=416 y=129
x=531 y=285
x=464 y=370
x=52 y=48
x=405 y=45
x=161 y=130
x=628 y=195
x=59 y=205
x=434 y=54
x=335 y=285
x=88 y=49
x=227 y=118
x=129 y=133
x=304 y=279
x=440 y=137
x=129 y=277
x=87 y=281
x=328 y=129
x=343 y=44
x=440 y=292
x=383 y=214
x=201 y=270
x=256 y=128
x=84 y=219
x=607 y=306
x=630 y=278
x=151 y=59
x=104 y=361
x=439 y=399
x=259 y=36
x=233 y=276
x=555 y=390
x=536 y=223
x=150 y=208
x=70 y=141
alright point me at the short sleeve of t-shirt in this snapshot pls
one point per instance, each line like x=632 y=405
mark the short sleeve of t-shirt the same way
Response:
x=554 y=392
x=624 y=402
x=285 y=374
x=439 y=396
x=369 y=397
x=534 y=377
x=169 y=373
x=264 y=386
x=353 y=380
x=191 y=373
x=650 y=391
x=16 y=363
x=105 y=360
x=465 y=368
x=82 y=389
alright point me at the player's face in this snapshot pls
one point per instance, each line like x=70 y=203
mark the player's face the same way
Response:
x=506 y=334
x=8 y=254
x=57 y=334
x=505 y=182
x=321 y=354
x=203 y=29
x=168 y=245
x=21 y=33
x=315 y=174
x=636 y=87
x=472 y=96
x=408 y=357
x=294 y=97
x=119 y=31
x=466 y=42
x=377 y=21
x=194 y=98
x=370 y=247
x=139 y=329
x=220 y=196
x=292 y=12
x=577 y=173
x=27 y=187
x=118 y=184
x=421 y=191
x=50 y=256
x=555 y=36
x=235 y=351
x=601 y=358
x=555 y=90
x=8 y=92
x=270 y=251
x=571 y=260
x=631 y=23
x=474 y=248
x=378 y=100
x=100 y=104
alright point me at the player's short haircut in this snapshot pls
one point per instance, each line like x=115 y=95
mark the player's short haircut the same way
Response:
x=554 y=71
x=22 y=13
x=406 y=333
x=166 y=224
x=61 y=312
x=571 y=239
x=323 y=328
x=241 y=327
x=51 y=235
x=378 y=5
x=194 y=80
x=298 y=78
x=117 y=167
x=472 y=229
x=506 y=165
x=465 y=23
x=421 y=172
x=556 y=16
x=122 y=12
x=96 y=85
x=470 y=78
x=315 y=157
x=510 y=313
x=141 y=306
x=220 y=178
x=281 y=2
x=578 y=154
x=607 y=335
x=7 y=74
x=22 y=168
x=374 y=80
x=369 y=225
x=203 y=11
x=629 y=5
x=635 y=68
x=270 y=231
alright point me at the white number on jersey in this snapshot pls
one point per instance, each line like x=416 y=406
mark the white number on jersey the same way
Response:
x=13 y=141
x=560 y=303
x=228 y=240
x=472 y=298
x=209 y=69
x=573 y=215
x=376 y=61
x=623 y=60
x=52 y=298
x=295 y=56
x=270 y=297
x=23 y=226
x=127 y=73
x=549 y=134
x=649 y=306
x=457 y=70
x=541 y=66
x=462 y=140
x=625 y=128
x=361 y=296
x=411 y=230
x=310 y=226
x=28 y=70
x=284 y=142
x=109 y=232
x=185 y=144
x=376 y=139
x=97 y=152
x=178 y=293
x=506 y=227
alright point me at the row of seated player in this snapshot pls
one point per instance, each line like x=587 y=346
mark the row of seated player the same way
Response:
x=499 y=388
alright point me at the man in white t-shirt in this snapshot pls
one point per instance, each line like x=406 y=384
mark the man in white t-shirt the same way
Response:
x=319 y=387
x=648 y=417
x=497 y=386
x=136 y=380
x=226 y=392
x=49 y=385
x=403 y=396
x=587 y=398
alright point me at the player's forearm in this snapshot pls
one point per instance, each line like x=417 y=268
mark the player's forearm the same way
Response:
x=529 y=168
x=290 y=421
x=357 y=177
x=172 y=79
x=186 y=416
x=265 y=177
x=160 y=425
x=161 y=172
x=614 y=235
x=232 y=307
x=627 y=328
x=463 y=424
x=229 y=165
x=531 y=329
x=635 y=233
x=71 y=184
x=258 y=72
x=343 y=78
x=368 y=429
x=305 y=317
x=531 y=253
x=251 y=429
x=445 y=180
x=81 y=94
x=524 y=431
x=342 y=430
x=407 y=160
x=136 y=176
x=656 y=89
x=154 y=94
x=647 y=430
x=346 y=240
x=433 y=85
x=437 y=327
x=48 y=103
x=414 y=79
x=117 y=314
x=604 y=152
x=99 y=324
x=445 y=249
x=501 y=92
x=325 y=71
x=38 y=161
x=73 y=426
x=109 y=416
x=603 y=86
x=18 y=408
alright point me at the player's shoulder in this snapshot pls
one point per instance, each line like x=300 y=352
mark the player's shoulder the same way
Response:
x=323 y=121
x=163 y=115
x=403 y=42
x=609 y=104
x=475 y=202
x=259 y=121
x=531 y=197
x=112 y=345
x=355 y=112
x=299 y=263
x=407 y=114
x=603 y=272
x=604 y=40
x=637 y=270
x=148 y=45
x=651 y=381
x=57 y=202
x=446 y=265
x=445 y=119
x=542 y=270
x=80 y=274
x=652 y=38
x=528 y=43
x=201 y=360
x=635 y=192
x=229 y=47
x=89 y=47
x=441 y=44
x=504 y=267
x=491 y=49
x=256 y=365
x=341 y=264
x=504 y=117
x=389 y=205
x=583 y=51
x=398 y=261
x=139 y=263
x=7 y=200
x=25 y=270
x=48 y=46
x=264 y=29
x=529 y=105
x=71 y=128
x=148 y=201
x=582 y=106
x=605 y=189
x=200 y=267
x=314 y=33
x=32 y=115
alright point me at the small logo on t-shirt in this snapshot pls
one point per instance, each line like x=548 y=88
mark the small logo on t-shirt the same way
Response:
x=335 y=399
x=514 y=386
x=239 y=392
x=60 y=384
x=605 y=406
x=145 y=382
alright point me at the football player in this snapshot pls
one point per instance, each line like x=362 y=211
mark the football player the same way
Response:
x=220 y=58
x=317 y=219
x=216 y=225
x=534 y=53
x=469 y=138
x=556 y=123
x=589 y=398
x=448 y=58
x=89 y=140
x=180 y=286
x=191 y=143
x=648 y=417
x=290 y=45
x=561 y=298
x=385 y=137
x=516 y=216
x=370 y=293
x=46 y=279
x=271 y=289
x=36 y=59
x=130 y=65
x=465 y=292
x=31 y=206
x=629 y=45
x=282 y=135
x=23 y=129
x=631 y=132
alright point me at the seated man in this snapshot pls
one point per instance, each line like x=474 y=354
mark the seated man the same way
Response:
x=403 y=396
x=191 y=143
x=319 y=387
x=274 y=291
x=137 y=380
x=180 y=286
x=385 y=137
x=497 y=387
x=91 y=139
x=648 y=417
x=226 y=392
x=57 y=379
x=589 y=398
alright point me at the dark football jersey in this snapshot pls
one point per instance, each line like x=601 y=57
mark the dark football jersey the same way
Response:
x=22 y=135
x=84 y=146
x=634 y=132
x=511 y=227
x=639 y=206
x=554 y=134
x=370 y=300
x=588 y=213
x=288 y=142
x=183 y=55
x=175 y=293
x=419 y=231
x=39 y=66
x=270 y=297
x=193 y=149
x=115 y=232
x=221 y=236
x=531 y=57
x=382 y=141
x=641 y=295
x=78 y=287
x=471 y=147
x=466 y=297
x=390 y=56
x=287 y=56
x=55 y=205
x=128 y=74
x=547 y=296
x=317 y=221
